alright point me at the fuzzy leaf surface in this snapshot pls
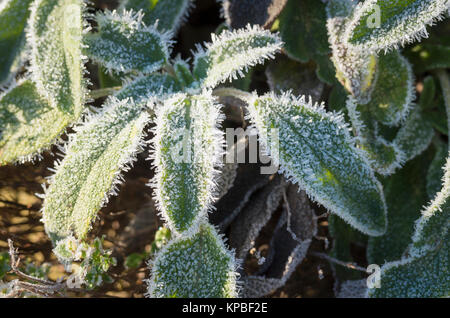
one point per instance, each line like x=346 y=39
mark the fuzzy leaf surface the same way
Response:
x=145 y=88
x=406 y=194
x=232 y=52
x=124 y=43
x=187 y=148
x=316 y=151
x=194 y=265
x=57 y=63
x=401 y=22
x=13 y=18
x=424 y=272
x=101 y=148
x=28 y=123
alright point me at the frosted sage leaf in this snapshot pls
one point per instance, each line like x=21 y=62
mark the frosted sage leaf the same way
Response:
x=57 y=63
x=169 y=13
x=143 y=88
x=233 y=52
x=406 y=194
x=385 y=156
x=101 y=148
x=238 y=13
x=196 y=264
x=187 y=148
x=28 y=124
x=303 y=29
x=394 y=89
x=432 y=228
x=124 y=43
x=424 y=273
x=415 y=135
x=435 y=171
x=385 y=24
x=13 y=18
x=316 y=151
x=355 y=69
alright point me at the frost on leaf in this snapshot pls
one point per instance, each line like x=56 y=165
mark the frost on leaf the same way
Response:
x=233 y=52
x=424 y=271
x=385 y=24
x=183 y=72
x=355 y=69
x=13 y=18
x=188 y=148
x=415 y=135
x=196 y=265
x=316 y=151
x=28 y=124
x=145 y=88
x=170 y=14
x=435 y=171
x=393 y=93
x=384 y=155
x=95 y=155
x=57 y=64
x=124 y=43
x=303 y=29
x=405 y=193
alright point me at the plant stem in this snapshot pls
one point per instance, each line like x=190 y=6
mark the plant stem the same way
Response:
x=234 y=92
x=445 y=85
x=102 y=92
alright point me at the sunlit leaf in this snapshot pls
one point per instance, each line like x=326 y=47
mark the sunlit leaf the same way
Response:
x=195 y=265
x=231 y=54
x=187 y=149
x=124 y=43
x=95 y=156
x=316 y=151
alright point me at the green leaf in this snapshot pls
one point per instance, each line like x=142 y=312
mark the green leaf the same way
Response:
x=303 y=29
x=394 y=89
x=424 y=271
x=13 y=18
x=57 y=64
x=316 y=151
x=28 y=124
x=355 y=69
x=432 y=228
x=124 y=43
x=108 y=79
x=187 y=149
x=232 y=52
x=195 y=265
x=142 y=89
x=95 y=155
x=170 y=14
x=435 y=171
x=405 y=193
x=385 y=24
x=418 y=277
x=385 y=156
x=415 y=135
